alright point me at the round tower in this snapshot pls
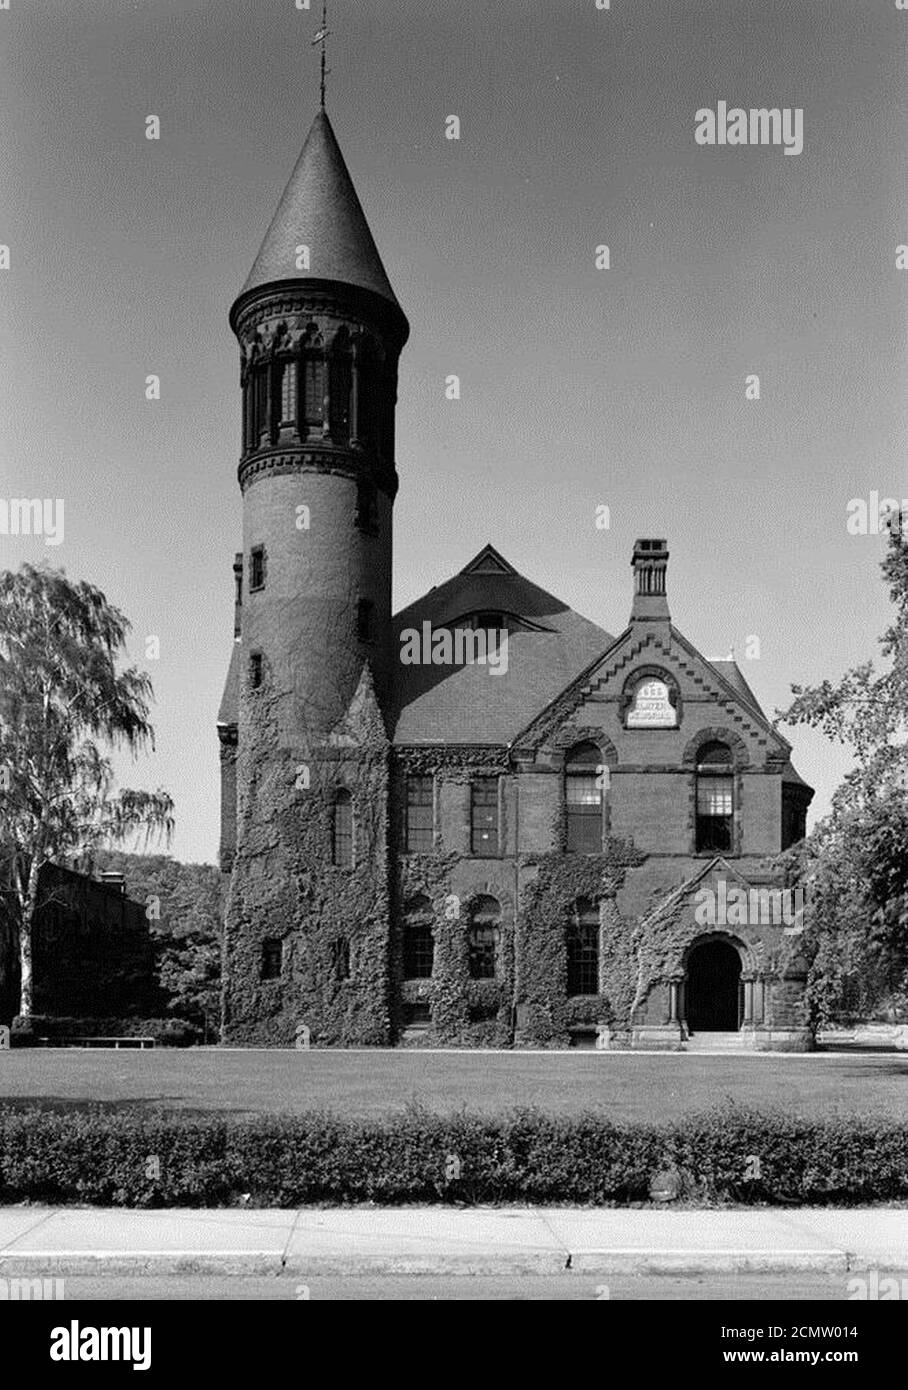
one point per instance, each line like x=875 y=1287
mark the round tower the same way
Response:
x=320 y=333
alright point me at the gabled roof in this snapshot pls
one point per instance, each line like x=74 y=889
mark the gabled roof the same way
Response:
x=467 y=704
x=320 y=209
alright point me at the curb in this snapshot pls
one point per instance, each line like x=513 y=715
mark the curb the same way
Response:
x=591 y=1261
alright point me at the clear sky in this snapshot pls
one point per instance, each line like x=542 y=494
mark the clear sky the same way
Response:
x=580 y=387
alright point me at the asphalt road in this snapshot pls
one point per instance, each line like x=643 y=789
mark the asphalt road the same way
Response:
x=443 y=1288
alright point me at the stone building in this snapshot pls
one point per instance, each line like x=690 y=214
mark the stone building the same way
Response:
x=483 y=820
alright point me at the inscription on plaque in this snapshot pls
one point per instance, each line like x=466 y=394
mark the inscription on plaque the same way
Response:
x=651 y=707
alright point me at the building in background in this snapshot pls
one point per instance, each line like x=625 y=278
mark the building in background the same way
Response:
x=92 y=951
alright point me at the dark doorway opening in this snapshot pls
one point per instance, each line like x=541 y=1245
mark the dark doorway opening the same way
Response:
x=713 y=988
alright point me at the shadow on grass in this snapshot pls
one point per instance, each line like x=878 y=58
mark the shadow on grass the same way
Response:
x=144 y=1105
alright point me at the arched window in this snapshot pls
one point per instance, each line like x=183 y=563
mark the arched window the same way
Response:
x=583 y=949
x=584 y=775
x=342 y=830
x=715 y=798
x=484 y=933
x=419 y=943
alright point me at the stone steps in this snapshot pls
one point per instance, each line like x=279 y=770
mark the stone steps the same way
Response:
x=715 y=1042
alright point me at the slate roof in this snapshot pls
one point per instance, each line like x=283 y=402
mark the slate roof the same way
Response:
x=731 y=672
x=467 y=704
x=228 y=711
x=320 y=209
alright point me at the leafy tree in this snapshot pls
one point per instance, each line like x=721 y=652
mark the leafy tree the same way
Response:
x=855 y=862
x=63 y=705
x=183 y=902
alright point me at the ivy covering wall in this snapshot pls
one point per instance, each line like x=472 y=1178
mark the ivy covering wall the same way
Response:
x=284 y=885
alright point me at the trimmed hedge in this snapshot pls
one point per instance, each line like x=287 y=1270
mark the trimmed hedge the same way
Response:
x=167 y=1032
x=127 y=1158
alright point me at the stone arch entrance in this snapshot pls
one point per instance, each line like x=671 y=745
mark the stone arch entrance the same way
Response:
x=713 y=988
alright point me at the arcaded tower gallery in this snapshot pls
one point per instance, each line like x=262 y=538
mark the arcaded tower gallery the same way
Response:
x=546 y=850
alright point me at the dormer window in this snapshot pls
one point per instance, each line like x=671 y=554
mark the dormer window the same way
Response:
x=490 y=622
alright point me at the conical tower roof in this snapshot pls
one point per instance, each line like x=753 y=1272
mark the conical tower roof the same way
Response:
x=320 y=209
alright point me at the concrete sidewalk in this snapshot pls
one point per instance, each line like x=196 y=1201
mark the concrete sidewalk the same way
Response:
x=449 y=1240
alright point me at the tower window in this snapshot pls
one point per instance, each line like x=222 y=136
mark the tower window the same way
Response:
x=314 y=391
x=261 y=412
x=340 y=958
x=342 y=830
x=419 y=943
x=583 y=949
x=339 y=389
x=249 y=413
x=483 y=938
x=583 y=799
x=257 y=567
x=367 y=507
x=365 y=624
x=272 y=958
x=288 y=393
x=420 y=820
x=715 y=798
x=256 y=669
x=484 y=816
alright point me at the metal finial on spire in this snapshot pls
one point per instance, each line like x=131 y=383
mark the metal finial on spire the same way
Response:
x=322 y=38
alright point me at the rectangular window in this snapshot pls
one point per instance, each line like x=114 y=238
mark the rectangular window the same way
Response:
x=484 y=816
x=340 y=382
x=288 y=393
x=583 y=959
x=364 y=620
x=257 y=567
x=342 y=831
x=255 y=670
x=420 y=818
x=261 y=401
x=483 y=947
x=715 y=804
x=366 y=507
x=272 y=958
x=340 y=958
x=583 y=802
x=314 y=391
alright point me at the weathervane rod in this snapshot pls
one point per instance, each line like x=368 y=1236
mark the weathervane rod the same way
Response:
x=321 y=38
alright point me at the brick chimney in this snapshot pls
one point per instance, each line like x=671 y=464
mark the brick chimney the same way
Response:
x=650 y=562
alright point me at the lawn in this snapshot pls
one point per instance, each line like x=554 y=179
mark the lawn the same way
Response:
x=647 y=1087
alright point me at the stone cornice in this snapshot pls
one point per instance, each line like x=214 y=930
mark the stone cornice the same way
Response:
x=341 y=462
x=305 y=298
